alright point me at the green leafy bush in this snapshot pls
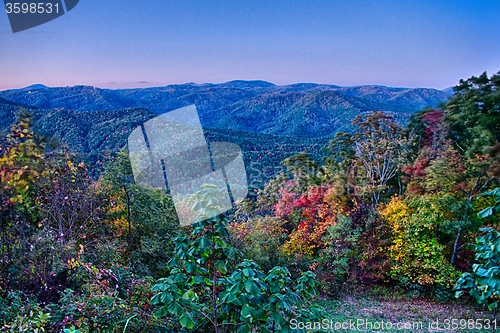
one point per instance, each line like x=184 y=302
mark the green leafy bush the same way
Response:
x=484 y=282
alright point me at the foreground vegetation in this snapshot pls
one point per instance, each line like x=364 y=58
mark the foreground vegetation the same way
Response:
x=389 y=206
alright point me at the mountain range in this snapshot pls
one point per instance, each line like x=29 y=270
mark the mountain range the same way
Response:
x=268 y=122
x=298 y=110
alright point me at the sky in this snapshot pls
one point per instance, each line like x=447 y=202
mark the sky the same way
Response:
x=125 y=44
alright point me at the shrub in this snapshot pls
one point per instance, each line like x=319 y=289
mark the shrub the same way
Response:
x=206 y=288
x=415 y=252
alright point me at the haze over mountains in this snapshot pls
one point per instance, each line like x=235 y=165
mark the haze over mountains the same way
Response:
x=305 y=110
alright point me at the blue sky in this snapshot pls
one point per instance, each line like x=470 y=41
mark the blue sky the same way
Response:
x=116 y=44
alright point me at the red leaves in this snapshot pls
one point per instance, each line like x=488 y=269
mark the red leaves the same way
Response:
x=313 y=198
x=284 y=206
x=315 y=210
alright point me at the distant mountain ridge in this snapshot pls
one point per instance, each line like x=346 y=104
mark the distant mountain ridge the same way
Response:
x=298 y=110
x=31 y=87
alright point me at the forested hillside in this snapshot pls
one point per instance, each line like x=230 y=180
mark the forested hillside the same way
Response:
x=95 y=135
x=255 y=106
x=408 y=207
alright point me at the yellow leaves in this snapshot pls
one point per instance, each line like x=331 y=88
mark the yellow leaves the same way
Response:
x=72 y=263
x=18 y=199
x=417 y=255
x=22 y=162
x=314 y=266
x=395 y=211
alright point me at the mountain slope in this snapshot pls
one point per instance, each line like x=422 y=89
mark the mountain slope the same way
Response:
x=86 y=98
x=31 y=87
x=302 y=114
x=302 y=110
x=95 y=135
x=416 y=98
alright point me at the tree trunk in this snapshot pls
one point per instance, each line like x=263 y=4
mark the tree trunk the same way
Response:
x=455 y=247
x=214 y=288
x=130 y=242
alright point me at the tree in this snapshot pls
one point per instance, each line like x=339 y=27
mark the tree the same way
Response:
x=342 y=239
x=416 y=252
x=269 y=196
x=70 y=205
x=339 y=165
x=144 y=219
x=473 y=117
x=23 y=160
x=430 y=143
x=473 y=114
x=205 y=278
x=460 y=150
x=261 y=239
x=22 y=164
x=306 y=172
x=428 y=129
x=382 y=148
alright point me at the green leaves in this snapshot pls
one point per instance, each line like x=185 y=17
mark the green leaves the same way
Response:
x=248 y=272
x=190 y=267
x=205 y=242
x=472 y=113
x=161 y=312
x=186 y=321
x=246 y=312
x=486 y=212
x=260 y=299
x=493 y=209
x=484 y=282
x=175 y=309
x=251 y=288
x=221 y=266
x=197 y=279
x=189 y=295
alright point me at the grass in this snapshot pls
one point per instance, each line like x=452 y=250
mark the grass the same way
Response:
x=373 y=308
